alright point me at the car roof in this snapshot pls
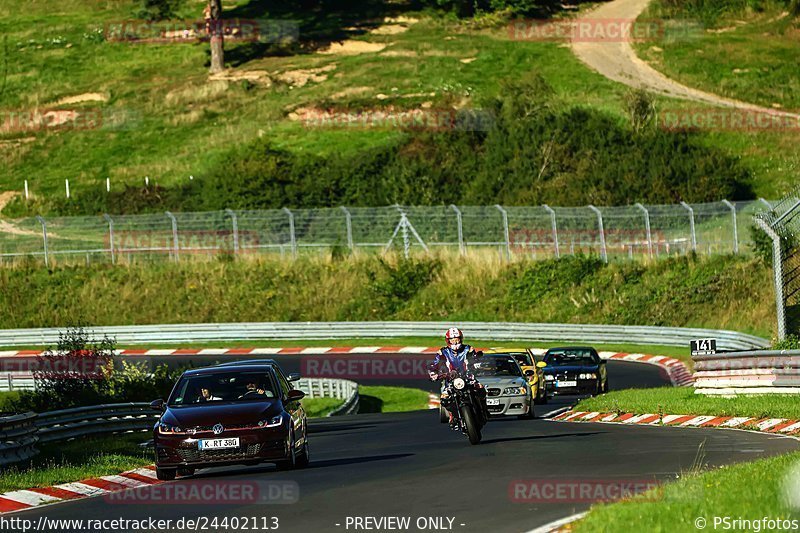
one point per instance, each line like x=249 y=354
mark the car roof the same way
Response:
x=217 y=368
x=250 y=362
x=494 y=351
x=571 y=348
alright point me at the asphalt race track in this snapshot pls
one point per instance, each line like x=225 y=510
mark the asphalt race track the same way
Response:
x=409 y=465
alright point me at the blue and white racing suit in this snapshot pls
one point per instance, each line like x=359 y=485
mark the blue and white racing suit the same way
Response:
x=460 y=360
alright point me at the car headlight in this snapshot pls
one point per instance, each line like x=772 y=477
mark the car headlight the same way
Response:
x=459 y=383
x=587 y=376
x=271 y=423
x=166 y=429
x=514 y=391
x=549 y=377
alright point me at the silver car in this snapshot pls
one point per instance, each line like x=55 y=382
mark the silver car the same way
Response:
x=507 y=389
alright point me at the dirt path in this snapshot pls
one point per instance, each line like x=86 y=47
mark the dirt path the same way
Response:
x=618 y=61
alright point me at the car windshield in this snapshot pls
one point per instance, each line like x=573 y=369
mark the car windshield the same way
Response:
x=571 y=357
x=490 y=366
x=231 y=386
x=523 y=358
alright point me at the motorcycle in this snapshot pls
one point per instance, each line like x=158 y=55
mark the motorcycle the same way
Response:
x=461 y=397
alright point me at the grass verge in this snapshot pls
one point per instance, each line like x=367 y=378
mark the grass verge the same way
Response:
x=683 y=401
x=391 y=399
x=748 y=491
x=318 y=407
x=63 y=462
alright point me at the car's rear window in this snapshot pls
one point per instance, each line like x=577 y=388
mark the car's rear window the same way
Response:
x=228 y=386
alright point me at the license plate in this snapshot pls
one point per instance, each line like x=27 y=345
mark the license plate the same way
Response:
x=492 y=401
x=217 y=444
x=566 y=384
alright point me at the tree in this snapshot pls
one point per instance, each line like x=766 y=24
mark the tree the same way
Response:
x=213 y=16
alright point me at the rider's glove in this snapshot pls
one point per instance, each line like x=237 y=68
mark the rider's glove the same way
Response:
x=433 y=375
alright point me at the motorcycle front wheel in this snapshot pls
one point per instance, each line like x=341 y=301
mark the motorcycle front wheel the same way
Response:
x=473 y=431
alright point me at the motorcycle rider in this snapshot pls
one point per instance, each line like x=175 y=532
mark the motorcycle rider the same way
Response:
x=459 y=357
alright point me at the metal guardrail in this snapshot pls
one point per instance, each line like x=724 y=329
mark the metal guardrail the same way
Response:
x=18 y=438
x=487 y=331
x=748 y=372
x=341 y=389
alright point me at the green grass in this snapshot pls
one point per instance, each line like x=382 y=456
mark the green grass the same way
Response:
x=749 y=491
x=318 y=407
x=378 y=399
x=683 y=401
x=85 y=458
x=726 y=292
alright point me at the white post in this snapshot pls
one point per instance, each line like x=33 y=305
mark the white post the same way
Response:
x=349 y=227
x=735 y=228
x=235 y=224
x=505 y=230
x=110 y=236
x=66 y=184
x=603 y=249
x=766 y=203
x=291 y=232
x=647 y=228
x=691 y=225
x=147 y=181
x=555 y=228
x=44 y=237
x=174 y=233
x=460 y=228
x=26 y=189
x=108 y=184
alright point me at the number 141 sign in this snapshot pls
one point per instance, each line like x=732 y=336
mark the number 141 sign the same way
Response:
x=704 y=347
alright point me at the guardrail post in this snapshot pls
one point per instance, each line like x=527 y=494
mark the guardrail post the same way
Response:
x=110 y=236
x=647 y=227
x=349 y=225
x=777 y=273
x=460 y=226
x=235 y=225
x=691 y=225
x=44 y=237
x=293 y=239
x=555 y=228
x=735 y=228
x=603 y=249
x=174 y=233
x=505 y=230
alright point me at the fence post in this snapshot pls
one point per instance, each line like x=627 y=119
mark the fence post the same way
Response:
x=174 y=233
x=777 y=272
x=110 y=237
x=291 y=231
x=766 y=203
x=647 y=227
x=735 y=228
x=555 y=228
x=603 y=249
x=349 y=225
x=235 y=225
x=505 y=230
x=691 y=225
x=44 y=237
x=460 y=226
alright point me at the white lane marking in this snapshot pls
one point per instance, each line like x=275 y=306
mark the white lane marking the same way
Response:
x=789 y=429
x=671 y=418
x=128 y=482
x=636 y=419
x=772 y=422
x=82 y=488
x=555 y=412
x=699 y=420
x=316 y=350
x=213 y=351
x=735 y=421
x=265 y=351
x=555 y=524
x=146 y=472
x=413 y=349
x=365 y=349
x=29 y=497
x=160 y=352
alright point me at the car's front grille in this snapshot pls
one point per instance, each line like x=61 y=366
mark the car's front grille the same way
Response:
x=493 y=392
x=225 y=454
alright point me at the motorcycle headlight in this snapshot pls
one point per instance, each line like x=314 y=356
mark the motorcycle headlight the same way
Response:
x=459 y=383
x=166 y=429
x=514 y=391
x=271 y=423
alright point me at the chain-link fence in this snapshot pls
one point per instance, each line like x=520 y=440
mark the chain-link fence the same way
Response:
x=537 y=232
x=782 y=225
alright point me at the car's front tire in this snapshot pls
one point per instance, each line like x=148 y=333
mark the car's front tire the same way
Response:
x=305 y=456
x=166 y=474
x=290 y=463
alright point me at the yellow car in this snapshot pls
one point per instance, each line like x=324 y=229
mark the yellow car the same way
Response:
x=532 y=370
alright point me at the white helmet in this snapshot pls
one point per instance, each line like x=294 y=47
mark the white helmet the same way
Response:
x=453 y=338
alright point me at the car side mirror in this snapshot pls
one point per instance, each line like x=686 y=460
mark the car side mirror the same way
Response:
x=541 y=364
x=529 y=373
x=295 y=395
x=157 y=405
x=294 y=376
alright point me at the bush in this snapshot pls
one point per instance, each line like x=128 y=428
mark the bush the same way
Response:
x=159 y=9
x=791 y=342
x=394 y=285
